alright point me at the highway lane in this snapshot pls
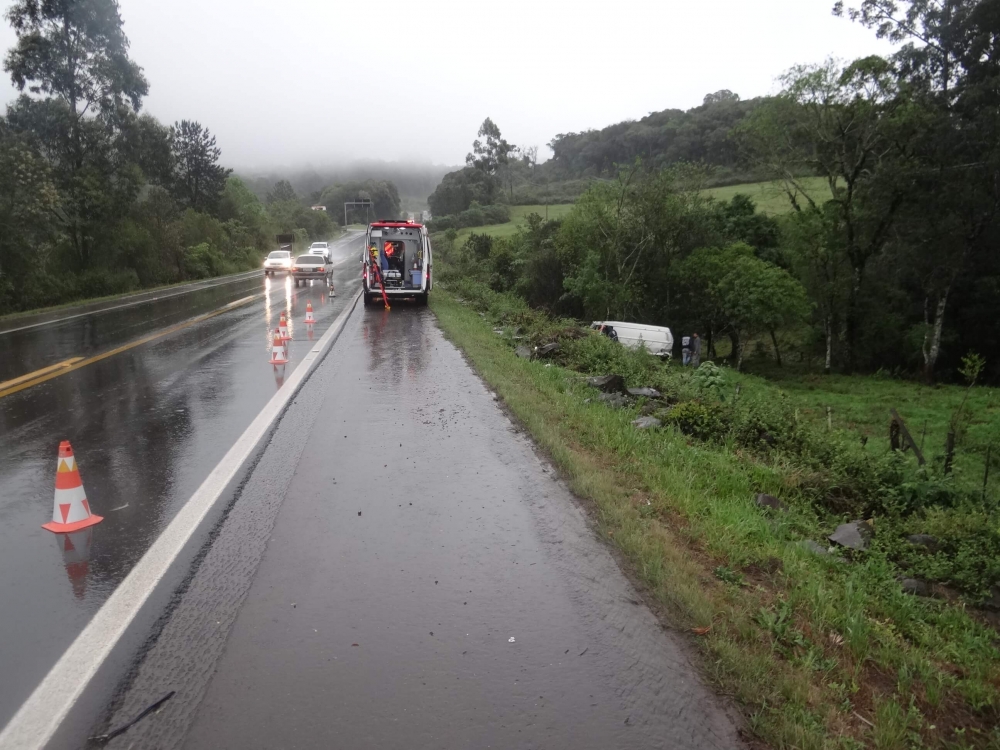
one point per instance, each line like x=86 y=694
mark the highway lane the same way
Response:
x=401 y=570
x=147 y=424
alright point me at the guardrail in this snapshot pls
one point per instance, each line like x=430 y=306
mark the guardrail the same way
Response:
x=88 y=308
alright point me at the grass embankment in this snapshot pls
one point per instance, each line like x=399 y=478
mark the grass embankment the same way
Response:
x=518 y=218
x=770 y=197
x=821 y=651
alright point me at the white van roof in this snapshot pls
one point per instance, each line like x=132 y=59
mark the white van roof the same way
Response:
x=631 y=326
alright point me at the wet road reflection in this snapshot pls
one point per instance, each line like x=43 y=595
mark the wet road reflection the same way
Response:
x=147 y=426
x=27 y=350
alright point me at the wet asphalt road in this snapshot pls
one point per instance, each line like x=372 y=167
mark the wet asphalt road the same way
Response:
x=402 y=571
x=147 y=425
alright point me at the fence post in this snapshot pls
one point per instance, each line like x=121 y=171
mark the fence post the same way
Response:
x=949 y=451
x=986 y=471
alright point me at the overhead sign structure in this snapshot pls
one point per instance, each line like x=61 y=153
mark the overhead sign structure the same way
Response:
x=369 y=206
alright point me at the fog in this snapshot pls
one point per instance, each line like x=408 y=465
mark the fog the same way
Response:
x=310 y=82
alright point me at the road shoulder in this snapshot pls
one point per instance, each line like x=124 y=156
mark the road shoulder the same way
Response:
x=458 y=598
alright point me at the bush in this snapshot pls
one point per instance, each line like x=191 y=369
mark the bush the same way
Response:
x=474 y=216
x=202 y=261
x=707 y=421
x=102 y=282
x=596 y=354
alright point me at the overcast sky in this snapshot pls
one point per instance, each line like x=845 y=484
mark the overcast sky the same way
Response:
x=317 y=82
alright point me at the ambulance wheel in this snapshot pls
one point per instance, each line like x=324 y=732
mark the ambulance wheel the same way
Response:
x=422 y=300
x=367 y=300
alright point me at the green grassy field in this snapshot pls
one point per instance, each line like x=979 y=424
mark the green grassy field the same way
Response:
x=518 y=215
x=861 y=404
x=821 y=652
x=769 y=196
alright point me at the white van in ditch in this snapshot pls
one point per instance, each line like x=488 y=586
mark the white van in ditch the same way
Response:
x=658 y=340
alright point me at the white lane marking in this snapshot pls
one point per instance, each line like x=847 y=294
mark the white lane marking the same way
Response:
x=241 y=277
x=38 y=718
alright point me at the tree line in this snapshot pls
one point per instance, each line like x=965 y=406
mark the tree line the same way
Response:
x=500 y=171
x=893 y=268
x=99 y=198
x=660 y=139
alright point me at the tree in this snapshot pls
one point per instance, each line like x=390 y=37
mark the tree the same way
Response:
x=75 y=54
x=851 y=126
x=823 y=269
x=756 y=297
x=28 y=201
x=723 y=95
x=198 y=178
x=458 y=190
x=696 y=279
x=281 y=192
x=489 y=156
x=143 y=141
x=950 y=65
x=618 y=244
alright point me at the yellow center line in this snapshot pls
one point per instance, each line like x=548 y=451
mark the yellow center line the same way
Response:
x=40 y=376
x=32 y=375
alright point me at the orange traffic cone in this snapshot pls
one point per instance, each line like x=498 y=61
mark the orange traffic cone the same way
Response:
x=283 y=327
x=309 y=314
x=278 y=355
x=71 y=511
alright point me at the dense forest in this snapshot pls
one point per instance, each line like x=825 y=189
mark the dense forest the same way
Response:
x=99 y=198
x=660 y=139
x=895 y=268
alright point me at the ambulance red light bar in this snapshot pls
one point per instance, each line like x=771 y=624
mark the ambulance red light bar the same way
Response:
x=394 y=223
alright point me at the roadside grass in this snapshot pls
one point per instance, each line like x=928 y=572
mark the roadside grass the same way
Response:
x=518 y=219
x=821 y=652
x=769 y=196
x=860 y=404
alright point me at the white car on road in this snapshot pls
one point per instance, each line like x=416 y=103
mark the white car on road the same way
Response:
x=279 y=261
x=320 y=248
